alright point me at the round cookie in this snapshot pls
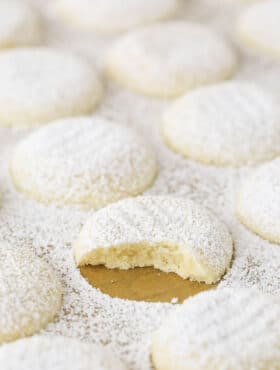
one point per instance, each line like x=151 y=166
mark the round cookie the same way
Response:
x=56 y=353
x=113 y=15
x=258 y=27
x=86 y=161
x=258 y=201
x=30 y=293
x=166 y=59
x=42 y=84
x=220 y=329
x=19 y=24
x=171 y=234
x=231 y=123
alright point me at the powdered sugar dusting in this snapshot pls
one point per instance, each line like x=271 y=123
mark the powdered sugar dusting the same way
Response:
x=87 y=313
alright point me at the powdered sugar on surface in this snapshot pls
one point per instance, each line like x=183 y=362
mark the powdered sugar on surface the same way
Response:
x=87 y=313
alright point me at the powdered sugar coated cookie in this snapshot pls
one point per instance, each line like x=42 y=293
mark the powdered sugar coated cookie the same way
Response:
x=20 y=24
x=165 y=60
x=56 y=353
x=258 y=201
x=230 y=123
x=30 y=293
x=220 y=329
x=84 y=161
x=42 y=84
x=113 y=15
x=258 y=27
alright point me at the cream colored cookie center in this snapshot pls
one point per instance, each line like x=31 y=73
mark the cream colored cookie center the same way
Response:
x=167 y=257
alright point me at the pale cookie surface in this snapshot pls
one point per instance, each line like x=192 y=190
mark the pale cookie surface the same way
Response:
x=171 y=234
x=113 y=15
x=231 y=123
x=56 y=353
x=19 y=24
x=258 y=27
x=42 y=84
x=223 y=329
x=87 y=161
x=30 y=293
x=165 y=60
x=258 y=201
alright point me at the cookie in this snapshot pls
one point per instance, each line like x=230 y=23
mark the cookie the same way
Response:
x=86 y=161
x=30 y=293
x=220 y=329
x=258 y=201
x=167 y=59
x=230 y=123
x=20 y=24
x=41 y=84
x=56 y=353
x=258 y=27
x=112 y=16
x=171 y=234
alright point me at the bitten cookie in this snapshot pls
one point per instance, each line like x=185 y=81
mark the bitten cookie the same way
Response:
x=171 y=234
x=113 y=15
